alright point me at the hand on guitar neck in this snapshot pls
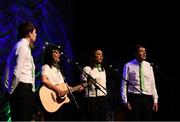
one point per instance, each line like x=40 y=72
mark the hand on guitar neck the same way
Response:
x=63 y=90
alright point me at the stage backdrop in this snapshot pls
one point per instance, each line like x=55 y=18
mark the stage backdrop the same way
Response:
x=50 y=28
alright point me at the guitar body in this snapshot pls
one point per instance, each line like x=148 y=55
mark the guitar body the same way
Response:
x=49 y=99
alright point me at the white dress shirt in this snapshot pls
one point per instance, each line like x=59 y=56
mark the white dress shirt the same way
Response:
x=20 y=66
x=131 y=73
x=100 y=78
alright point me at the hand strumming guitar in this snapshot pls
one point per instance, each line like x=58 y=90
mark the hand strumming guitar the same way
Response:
x=60 y=92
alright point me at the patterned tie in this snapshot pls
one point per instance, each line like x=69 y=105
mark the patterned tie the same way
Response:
x=141 y=73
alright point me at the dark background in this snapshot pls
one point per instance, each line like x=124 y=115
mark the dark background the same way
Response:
x=116 y=27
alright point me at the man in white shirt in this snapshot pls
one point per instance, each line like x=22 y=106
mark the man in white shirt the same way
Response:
x=141 y=96
x=20 y=74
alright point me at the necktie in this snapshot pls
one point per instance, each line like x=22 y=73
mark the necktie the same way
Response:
x=32 y=64
x=141 y=73
x=98 y=66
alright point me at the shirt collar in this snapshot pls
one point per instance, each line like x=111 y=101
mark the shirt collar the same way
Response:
x=97 y=65
x=25 y=41
x=136 y=62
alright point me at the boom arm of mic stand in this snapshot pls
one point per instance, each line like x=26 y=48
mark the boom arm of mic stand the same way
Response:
x=91 y=78
x=94 y=82
x=127 y=81
x=86 y=75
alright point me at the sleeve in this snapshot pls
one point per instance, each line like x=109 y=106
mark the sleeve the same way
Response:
x=22 y=54
x=153 y=86
x=87 y=70
x=124 y=84
x=45 y=70
x=9 y=70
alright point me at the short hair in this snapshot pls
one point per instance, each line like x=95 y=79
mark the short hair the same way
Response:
x=24 y=28
x=137 y=46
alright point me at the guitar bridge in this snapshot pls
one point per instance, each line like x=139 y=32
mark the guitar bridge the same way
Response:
x=53 y=96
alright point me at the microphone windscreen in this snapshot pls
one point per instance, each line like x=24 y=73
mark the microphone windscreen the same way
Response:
x=46 y=43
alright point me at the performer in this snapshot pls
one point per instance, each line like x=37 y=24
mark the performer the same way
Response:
x=95 y=100
x=20 y=74
x=139 y=73
x=53 y=78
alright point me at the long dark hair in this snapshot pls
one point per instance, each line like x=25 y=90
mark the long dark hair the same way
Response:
x=48 y=57
x=93 y=62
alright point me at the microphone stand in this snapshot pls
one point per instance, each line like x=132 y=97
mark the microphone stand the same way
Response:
x=86 y=75
x=156 y=69
x=94 y=83
x=72 y=96
x=169 y=81
x=75 y=101
x=127 y=81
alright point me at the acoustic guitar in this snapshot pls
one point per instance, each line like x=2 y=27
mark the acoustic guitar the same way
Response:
x=51 y=101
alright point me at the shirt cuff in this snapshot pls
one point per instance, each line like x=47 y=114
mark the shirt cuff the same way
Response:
x=155 y=100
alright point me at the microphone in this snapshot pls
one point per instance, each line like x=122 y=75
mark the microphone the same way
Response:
x=45 y=45
x=112 y=68
x=68 y=61
x=62 y=53
x=48 y=44
x=71 y=61
x=153 y=65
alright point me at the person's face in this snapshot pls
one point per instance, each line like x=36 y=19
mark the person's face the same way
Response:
x=141 y=54
x=56 y=55
x=33 y=35
x=99 y=56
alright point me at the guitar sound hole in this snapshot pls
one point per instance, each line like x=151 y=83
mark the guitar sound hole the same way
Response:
x=60 y=99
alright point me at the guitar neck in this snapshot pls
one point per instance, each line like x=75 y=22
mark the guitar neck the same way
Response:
x=75 y=88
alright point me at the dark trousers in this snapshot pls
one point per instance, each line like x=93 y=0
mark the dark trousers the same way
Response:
x=21 y=103
x=64 y=113
x=95 y=108
x=141 y=107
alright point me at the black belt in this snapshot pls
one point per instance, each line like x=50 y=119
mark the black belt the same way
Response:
x=25 y=84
